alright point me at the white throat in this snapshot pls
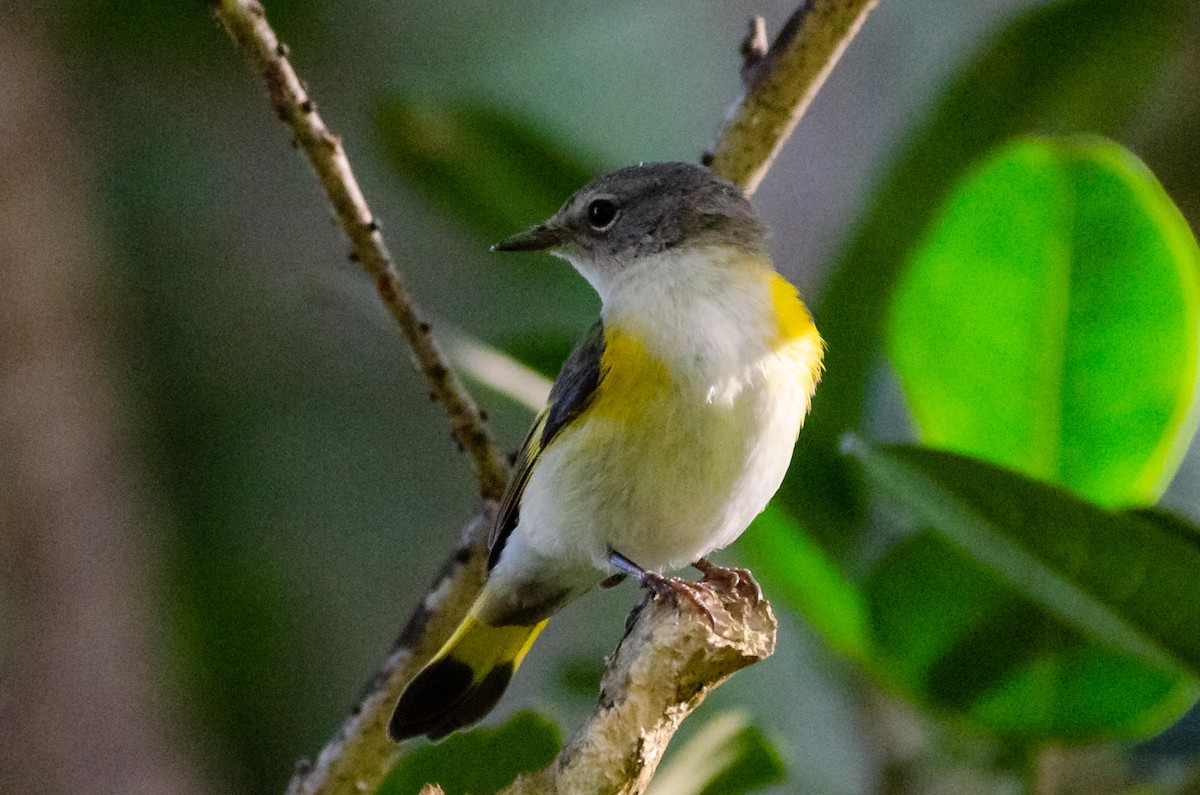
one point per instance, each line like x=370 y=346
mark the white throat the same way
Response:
x=707 y=313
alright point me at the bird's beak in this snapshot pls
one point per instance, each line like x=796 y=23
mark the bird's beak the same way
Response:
x=539 y=238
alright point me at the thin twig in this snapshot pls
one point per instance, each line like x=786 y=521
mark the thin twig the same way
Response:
x=782 y=84
x=246 y=23
x=359 y=755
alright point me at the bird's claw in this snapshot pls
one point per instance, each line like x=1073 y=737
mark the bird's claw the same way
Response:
x=739 y=580
x=677 y=591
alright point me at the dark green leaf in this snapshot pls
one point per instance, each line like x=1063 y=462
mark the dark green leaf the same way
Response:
x=480 y=761
x=1076 y=66
x=727 y=757
x=1115 y=577
x=1049 y=323
x=952 y=633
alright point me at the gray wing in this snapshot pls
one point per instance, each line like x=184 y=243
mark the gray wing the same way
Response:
x=570 y=395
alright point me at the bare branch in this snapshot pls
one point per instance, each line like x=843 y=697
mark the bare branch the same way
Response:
x=246 y=23
x=668 y=662
x=781 y=85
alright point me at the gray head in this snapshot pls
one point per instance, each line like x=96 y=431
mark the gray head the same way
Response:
x=642 y=210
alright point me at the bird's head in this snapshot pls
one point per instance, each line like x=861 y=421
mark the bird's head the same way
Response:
x=618 y=222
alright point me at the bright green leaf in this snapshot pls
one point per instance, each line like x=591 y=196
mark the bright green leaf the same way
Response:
x=1115 y=577
x=480 y=761
x=1067 y=67
x=793 y=568
x=727 y=756
x=1050 y=321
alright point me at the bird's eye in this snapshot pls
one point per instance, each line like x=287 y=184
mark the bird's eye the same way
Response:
x=601 y=213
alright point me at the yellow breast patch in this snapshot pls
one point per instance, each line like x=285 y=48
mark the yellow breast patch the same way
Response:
x=630 y=377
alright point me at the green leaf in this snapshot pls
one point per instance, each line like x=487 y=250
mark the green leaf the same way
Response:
x=1114 y=577
x=480 y=761
x=1049 y=324
x=1075 y=66
x=1050 y=321
x=489 y=168
x=953 y=633
x=792 y=567
x=727 y=757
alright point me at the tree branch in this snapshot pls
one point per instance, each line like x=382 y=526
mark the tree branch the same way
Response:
x=665 y=666
x=246 y=23
x=649 y=678
x=781 y=84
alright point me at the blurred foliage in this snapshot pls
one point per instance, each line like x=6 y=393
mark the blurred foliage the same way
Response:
x=1048 y=324
x=727 y=756
x=1072 y=66
x=480 y=761
x=1113 y=577
x=489 y=169
x=797 y=570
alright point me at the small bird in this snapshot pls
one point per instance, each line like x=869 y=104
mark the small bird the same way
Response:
x=668 y=428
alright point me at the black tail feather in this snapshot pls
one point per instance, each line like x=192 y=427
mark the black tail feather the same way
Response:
x=445 y=697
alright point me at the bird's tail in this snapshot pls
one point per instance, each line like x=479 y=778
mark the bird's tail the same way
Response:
x=464 y=680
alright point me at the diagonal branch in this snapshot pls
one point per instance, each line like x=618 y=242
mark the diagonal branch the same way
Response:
x=781 y=83
x=246 y=23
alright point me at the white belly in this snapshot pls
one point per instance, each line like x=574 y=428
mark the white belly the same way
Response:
x=685 y=479
x=683 y=450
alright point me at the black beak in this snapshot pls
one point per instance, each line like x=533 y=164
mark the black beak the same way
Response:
x=539 y=238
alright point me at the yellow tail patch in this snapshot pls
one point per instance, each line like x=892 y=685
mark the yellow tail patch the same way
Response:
x=463 y=681
x=483 y=647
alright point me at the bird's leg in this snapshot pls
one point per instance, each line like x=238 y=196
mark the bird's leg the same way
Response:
x=671 y=588
x=738 y=579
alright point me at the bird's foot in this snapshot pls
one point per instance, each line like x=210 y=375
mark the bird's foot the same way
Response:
x=740 y=580
x=673 y=589
x=677 y=591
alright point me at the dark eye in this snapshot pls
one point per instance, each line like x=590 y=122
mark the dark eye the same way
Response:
x=601 y=213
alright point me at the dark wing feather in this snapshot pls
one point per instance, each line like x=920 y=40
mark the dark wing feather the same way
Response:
x=570 y=395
